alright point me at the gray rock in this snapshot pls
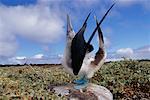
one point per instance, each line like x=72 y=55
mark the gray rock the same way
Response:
x=91 y=92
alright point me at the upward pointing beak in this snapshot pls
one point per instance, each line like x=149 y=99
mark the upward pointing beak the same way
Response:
x=79 y=41
x=82 y=30
x=91 y=37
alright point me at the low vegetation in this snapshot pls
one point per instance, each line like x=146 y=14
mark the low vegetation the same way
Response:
x=127 y=80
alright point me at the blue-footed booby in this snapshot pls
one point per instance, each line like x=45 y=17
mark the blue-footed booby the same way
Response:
x=77 y=57
x=67 y=57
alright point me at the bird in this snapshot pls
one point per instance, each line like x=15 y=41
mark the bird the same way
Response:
x=67 y=59
x=77 y=59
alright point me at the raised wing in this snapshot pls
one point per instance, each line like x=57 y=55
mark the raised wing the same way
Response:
x=70 y=31
x=101 y=52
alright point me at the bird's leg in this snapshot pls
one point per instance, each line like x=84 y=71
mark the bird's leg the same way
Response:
x=81 y=83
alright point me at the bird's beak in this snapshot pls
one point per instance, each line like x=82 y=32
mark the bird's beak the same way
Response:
x=91 y=37
x=82 y=30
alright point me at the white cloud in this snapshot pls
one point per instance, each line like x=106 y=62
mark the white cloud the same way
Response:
x=38 y=56
x=40 y=24
x=33 y=22
x=139 y=53
x=125 y=52
x=21 y=58
x=36 y=59
x=16 y=60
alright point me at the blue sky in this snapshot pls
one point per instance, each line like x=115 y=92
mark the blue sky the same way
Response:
x=36 y=29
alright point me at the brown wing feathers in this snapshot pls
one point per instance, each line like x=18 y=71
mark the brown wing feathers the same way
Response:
x=100 y=53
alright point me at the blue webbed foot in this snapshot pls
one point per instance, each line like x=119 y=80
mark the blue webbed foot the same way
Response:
x=81 y=86
x=81 y=83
